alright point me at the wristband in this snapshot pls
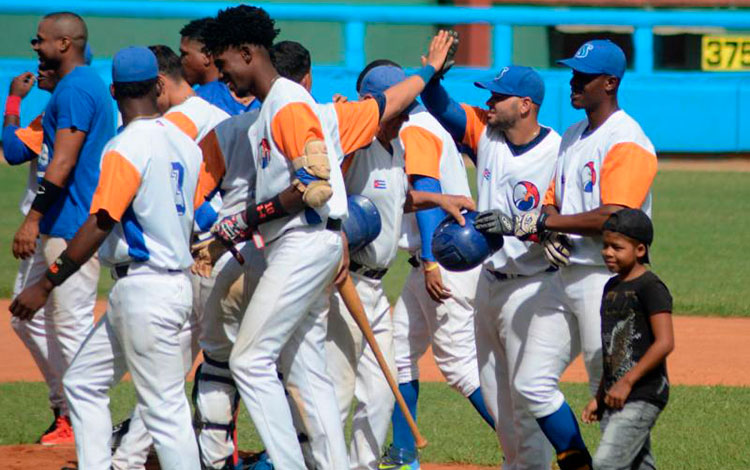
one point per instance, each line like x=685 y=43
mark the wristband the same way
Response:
x=265 y=212
x=46 y=194
x=61 y=269
x=426 y=73
x=13 y=105
x=541 y=223
x=431 y=267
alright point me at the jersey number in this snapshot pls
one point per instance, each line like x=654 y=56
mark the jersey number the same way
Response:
x=178 y=176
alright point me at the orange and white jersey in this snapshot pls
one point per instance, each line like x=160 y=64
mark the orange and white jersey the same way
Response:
x=378 y=174
x=196 y=117
x=289 y=118
x=32 y=137
x=350 y=125
x=515 y=184
x=228 y=145
x=148 y=183
x=615 y=164
x=429 y=150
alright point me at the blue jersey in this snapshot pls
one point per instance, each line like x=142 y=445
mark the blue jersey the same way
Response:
x=217 y=93
x=82 y=101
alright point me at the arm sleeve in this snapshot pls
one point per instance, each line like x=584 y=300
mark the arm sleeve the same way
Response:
x=655 y=297
x=422 y=152
x=75 y=109
x=446 y=110
x=358 y=123
x=14 y=150
x=119 y=181
x=206 y=215
x=293 y=126
x=427 y=219
x=627 y=173
x=212 y=169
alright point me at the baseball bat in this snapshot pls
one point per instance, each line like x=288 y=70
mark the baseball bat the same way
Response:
x=356 y=309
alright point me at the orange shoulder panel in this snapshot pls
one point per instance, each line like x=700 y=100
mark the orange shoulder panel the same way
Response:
x=627 y=173
x=119 y=181
x=213 y=168
x=185 y=124
x=549 y=196
x=33 y=135
x=358 y=123
x=422 y=151
x=293 y=126
x=476 y=121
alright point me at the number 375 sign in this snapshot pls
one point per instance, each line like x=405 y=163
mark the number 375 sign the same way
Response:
x=726 y=53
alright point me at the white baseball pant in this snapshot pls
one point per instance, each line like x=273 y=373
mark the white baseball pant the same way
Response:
x=419 y=321
x=215 y=394
x=566 y=321
x=287 y=311
x=139 y=334
x=356 y=373
x=503 y=316
x=38 y=333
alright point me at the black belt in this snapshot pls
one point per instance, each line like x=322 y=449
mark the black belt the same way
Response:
x=367 y=272
x=504 y=277
x=122 y=270
x=334 y=225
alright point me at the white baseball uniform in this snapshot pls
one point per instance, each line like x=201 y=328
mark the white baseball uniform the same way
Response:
x=418 y=320
x=196 y=117
x=37 y=334
x=148 y=183
x=614 y=164
x=513 y=180
x=287 y=311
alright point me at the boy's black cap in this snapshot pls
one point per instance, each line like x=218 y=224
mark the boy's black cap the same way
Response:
x=633 y=223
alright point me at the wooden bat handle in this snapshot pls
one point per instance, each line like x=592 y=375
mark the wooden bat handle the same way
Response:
x=356 y=309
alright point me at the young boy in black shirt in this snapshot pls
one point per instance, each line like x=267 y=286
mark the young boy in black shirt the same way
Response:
x=637 y=336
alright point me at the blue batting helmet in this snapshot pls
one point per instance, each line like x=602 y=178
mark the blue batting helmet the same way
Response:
x=459 y=248
x=363 y=224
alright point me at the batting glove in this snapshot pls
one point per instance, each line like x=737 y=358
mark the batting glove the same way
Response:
x=494 y=222
x=529 y=226
x=450 y=59
x=232 y=229
x=557 y=249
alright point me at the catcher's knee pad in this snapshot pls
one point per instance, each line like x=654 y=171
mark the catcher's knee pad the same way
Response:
x=215 y=397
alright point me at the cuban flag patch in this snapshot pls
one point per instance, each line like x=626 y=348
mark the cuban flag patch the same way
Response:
x=379 y=184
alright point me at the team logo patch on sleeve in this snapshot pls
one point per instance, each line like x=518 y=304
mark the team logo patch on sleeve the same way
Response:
x=525 y=196
x=265 y=153
x=486 y=174
x=588 y=177
x=379 y=184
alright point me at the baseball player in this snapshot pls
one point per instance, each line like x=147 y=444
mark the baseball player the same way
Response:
x=376 y=171
x=77 y=122
x=436 y=306
x=292 y=160
x=141 y=216
x=195 y=117
x=199 y=69
x=605 y=163
x=515 y=160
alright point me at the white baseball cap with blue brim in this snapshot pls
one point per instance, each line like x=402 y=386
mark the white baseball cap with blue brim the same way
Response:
x=516 y=80
x=598 y=57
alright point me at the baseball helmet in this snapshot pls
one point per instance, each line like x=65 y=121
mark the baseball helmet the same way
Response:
x=459 y=248
x=363 y=224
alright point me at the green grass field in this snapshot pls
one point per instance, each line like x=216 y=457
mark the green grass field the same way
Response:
x=702 y=427
x=699 y=233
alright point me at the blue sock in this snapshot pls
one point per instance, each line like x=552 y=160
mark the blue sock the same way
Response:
x=402 y=438
x=561 y=428
x=478 y=402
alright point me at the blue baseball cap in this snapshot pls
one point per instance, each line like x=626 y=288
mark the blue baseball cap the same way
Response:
x=134 y=64
x=380 y=78
x=599 y=56
x=88 y=55
x=515 y=80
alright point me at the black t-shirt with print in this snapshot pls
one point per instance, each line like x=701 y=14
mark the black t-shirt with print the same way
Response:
x=627 y=335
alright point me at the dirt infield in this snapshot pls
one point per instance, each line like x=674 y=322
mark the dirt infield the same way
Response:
x=709 y=351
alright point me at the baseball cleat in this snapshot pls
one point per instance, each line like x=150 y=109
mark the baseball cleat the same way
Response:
x=399 y=459
x=60 y=435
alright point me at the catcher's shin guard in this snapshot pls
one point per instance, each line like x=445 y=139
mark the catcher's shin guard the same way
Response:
x=216 y=403
x=574 y=459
